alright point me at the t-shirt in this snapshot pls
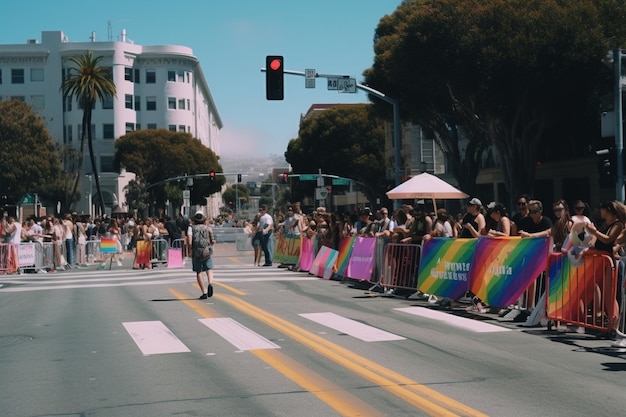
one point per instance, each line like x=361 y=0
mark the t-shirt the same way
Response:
x=266 y=221
x=528 y=225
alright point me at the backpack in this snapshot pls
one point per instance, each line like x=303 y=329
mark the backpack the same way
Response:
x=201 y=239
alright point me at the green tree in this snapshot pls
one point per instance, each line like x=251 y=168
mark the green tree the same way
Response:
x=512 y=72
x=345 y=140
x=30 y=161
x=235 y=191
x=156 y=155
x=88 y=82
x=136 y=198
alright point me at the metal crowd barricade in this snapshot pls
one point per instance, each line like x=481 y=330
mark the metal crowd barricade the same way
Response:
x=586 y=295
x=181 y=244
x=158 y=254
x=401 y=266
x=8 y=258
x=92 y=249
x=30 y=256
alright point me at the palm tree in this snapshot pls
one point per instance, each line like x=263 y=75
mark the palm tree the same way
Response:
x=88 y=82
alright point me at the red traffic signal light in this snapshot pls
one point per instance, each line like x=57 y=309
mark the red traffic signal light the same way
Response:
x=285 y=177
x=274 y=75
x=212 y=175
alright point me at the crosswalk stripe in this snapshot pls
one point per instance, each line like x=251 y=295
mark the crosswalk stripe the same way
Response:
x=237 y=334
x=351 y=327
x=465 y=323
x=153 y=338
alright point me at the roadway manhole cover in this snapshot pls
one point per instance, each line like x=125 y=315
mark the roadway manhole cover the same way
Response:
x=14 y=340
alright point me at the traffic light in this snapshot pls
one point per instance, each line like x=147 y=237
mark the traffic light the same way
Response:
x=607 y=165
x=285 y=177
x=274 y=67
x=238 y=178
x=212 y=175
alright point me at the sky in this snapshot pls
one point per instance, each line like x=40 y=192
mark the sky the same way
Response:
x=231 y=39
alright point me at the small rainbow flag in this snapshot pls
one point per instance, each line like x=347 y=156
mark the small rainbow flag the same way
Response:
x=345 y=250
x=108 y=245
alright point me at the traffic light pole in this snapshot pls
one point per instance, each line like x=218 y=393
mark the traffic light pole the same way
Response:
x=396 y=120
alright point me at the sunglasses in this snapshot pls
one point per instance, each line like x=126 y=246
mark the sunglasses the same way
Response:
x=557 y=209
x=579 y=208
x=535 y=211
x=521 y=203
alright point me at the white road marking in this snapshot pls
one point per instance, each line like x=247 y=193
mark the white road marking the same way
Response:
x=352 y=327
x=465 y=323
x=237 y=334
x=153 y=337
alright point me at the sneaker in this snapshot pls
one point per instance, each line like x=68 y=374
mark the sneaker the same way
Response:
x=471 y=308
x=209 y=291
x=203 y=296
x=619 y=343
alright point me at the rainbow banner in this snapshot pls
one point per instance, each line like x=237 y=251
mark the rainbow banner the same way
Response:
x=361 y=261
x=307 y=253
x=108 y=245
x=287 y=248
x=324 y=263
x=144 y=248
x=572 y=285
x=503 y=267
x=444 y=266
x=345 y=250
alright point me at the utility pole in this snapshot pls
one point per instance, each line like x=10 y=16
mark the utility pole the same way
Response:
x=619 y=128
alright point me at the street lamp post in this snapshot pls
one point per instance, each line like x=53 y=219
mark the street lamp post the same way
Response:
x=619 y=129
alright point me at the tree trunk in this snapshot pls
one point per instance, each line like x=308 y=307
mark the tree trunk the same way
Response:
x=79 y=168
x=92 y=158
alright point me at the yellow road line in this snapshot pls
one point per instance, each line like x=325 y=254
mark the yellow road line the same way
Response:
x=336 y=397
x=414 y=393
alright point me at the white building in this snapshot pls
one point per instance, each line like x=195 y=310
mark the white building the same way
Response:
x=157 y=87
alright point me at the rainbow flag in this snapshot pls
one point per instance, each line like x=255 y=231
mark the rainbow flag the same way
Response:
x=571 y=286
x=108 y=245
x=444 y=266
x=345 y=250
x=502 y=268
x=324 y=262
x=287 y=248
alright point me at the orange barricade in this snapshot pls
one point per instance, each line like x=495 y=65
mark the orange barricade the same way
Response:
x=8 y=258
x=401 y=266
x=583 y=292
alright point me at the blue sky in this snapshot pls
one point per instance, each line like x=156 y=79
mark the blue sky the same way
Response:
x=231 y=39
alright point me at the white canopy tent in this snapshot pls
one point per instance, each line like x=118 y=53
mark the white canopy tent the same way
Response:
x=424 y=186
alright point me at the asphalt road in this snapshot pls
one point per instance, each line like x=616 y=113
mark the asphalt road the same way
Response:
x=271 y=342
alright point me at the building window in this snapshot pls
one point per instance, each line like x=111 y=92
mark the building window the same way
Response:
x=152 y=125
x=151 y=103
x=106 y=164
x=171 y=128
x=138 y=126
x=130 y=127
x=171 y=103
x=36 y=74
x=150 y=76
x=181 y=76
x=188 y=104
x=17 y=76
x=80 y=130
x=181 y=103
x=68 y=106
x=181 y=128
x=69 y=134
x=137 y=103
x=20 y=98
x=171 y=76
x=37 y=102
x=188 y=74
x=137 y=76
x=128 y=74
x=108 y=131
x=128 y=101
x=107 y=102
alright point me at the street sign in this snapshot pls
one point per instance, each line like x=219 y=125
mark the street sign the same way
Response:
x=308 y=177
x=346 y=85
x=321 y=193
x=309 y=78
x=332 y=83
x=341 y=181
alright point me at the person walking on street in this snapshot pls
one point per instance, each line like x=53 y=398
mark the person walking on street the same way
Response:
x=266 y=227
x=202 y=240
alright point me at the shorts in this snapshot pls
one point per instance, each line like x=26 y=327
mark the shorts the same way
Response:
x=256 y=239
x=199 y=265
